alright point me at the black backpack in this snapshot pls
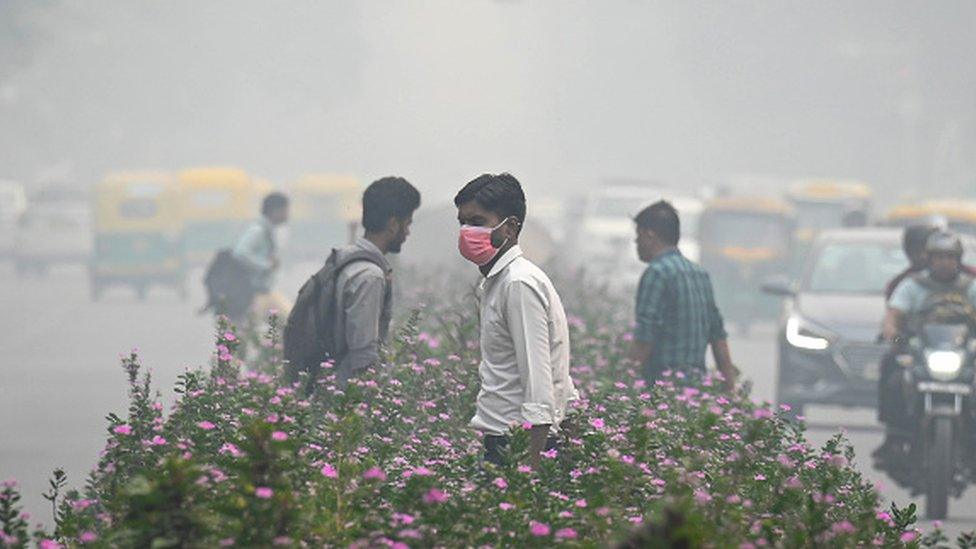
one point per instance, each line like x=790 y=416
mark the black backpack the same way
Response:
x=228 y=285
x=946 y=303
x=309 y=335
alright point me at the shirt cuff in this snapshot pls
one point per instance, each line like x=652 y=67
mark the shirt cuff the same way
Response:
x=538 y=414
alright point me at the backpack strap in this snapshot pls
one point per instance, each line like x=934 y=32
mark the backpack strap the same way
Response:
x=336 y=270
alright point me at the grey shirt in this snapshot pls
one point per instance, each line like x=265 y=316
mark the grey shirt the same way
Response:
x=363 y=310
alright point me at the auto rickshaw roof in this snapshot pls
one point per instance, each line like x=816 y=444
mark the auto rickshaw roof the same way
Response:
x=954 y=210
x=830 y=189
x=327 y=183
x=215 y=177
x=757 y=204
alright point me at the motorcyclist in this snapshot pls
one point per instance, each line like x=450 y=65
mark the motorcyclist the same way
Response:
x=942 y=280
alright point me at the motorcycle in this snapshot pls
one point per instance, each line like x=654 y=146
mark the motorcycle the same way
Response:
x=938 y=380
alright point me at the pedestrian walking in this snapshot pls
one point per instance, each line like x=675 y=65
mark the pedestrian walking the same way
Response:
x=676 y=315
x=525 y=348
x=343 y=312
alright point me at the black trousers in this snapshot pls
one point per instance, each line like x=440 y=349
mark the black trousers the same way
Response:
x=892 y=408
x=495 y=448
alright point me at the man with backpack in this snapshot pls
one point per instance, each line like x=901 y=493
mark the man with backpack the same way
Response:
x=242 y=276
x=343 y=312
x=257 y=253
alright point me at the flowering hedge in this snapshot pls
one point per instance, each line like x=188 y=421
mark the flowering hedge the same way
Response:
x=241 y=460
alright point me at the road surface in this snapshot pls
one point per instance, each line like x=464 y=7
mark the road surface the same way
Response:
x=60 y=376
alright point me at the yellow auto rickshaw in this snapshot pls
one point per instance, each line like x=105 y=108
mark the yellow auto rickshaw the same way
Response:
x=743 y=241
x=325 y=213
x=218 y=204
x=826 y=204
x=958 y=215
x=137 y=233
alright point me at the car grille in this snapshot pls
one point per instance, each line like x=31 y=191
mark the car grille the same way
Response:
x=862 y=359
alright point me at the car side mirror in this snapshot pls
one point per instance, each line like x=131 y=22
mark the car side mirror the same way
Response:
x=779 y=285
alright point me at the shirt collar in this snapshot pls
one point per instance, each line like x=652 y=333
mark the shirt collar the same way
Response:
x=365 y=244
x=670 y=251
x=505 y=260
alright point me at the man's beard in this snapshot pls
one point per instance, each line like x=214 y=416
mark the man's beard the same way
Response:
x=395 y=246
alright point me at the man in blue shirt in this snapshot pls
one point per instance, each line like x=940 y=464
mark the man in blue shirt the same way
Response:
x=257 y=251
x=677 y=318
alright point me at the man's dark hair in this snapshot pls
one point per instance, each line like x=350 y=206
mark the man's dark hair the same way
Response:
x=387 y=198
x=662 y=218
x=272 y=202
x=915 y=237
x=501 y=194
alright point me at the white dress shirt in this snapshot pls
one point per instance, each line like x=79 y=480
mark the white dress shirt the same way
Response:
x=524 y=348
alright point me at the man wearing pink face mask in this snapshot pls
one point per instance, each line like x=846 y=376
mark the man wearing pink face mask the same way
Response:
x=524 y=367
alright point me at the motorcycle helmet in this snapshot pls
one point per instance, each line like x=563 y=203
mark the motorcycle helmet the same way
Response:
x=944 y=242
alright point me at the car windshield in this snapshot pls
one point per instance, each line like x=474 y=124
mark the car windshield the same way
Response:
x=819 y=215
x=733 y=229
x=855 y=267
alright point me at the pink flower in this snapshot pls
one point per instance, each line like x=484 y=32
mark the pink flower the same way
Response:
x=279 y=436
x=843 y=527
x=539 y=529
x=500 y=483
x=206 y=425
x=505 y=506
x=597 y=423
x=263 y=492
x=524 y=469
x=762 y=413
x=87 y=537
x=581 y=503
x=566 y=533
x=435 y=495
x=702 y=497
x=760 y=476
x=375 y=473
x=837 y=461
x=329 y=471
x=123 y=429
x=231 y=449
x=157 y=441
x=909 y=537
x=49 y=544
x=419 y=471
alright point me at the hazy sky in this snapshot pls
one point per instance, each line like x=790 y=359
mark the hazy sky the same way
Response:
x=560 y=92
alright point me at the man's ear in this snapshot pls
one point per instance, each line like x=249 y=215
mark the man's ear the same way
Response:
x=392 y=225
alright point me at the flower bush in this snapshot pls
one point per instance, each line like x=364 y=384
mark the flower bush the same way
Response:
x=242 y=460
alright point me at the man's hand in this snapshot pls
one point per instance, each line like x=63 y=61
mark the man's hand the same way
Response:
x=892 y=324
x=723 y=360
x=537 y=444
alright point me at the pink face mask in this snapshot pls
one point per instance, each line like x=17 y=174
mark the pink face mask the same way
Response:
x=475 y=244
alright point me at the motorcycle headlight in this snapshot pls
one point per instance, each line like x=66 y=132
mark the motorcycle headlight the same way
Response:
x=944 y=365
x=799 y=334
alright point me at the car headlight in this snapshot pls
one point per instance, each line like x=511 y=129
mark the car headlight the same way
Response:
x=944 y=365
x=798 y=334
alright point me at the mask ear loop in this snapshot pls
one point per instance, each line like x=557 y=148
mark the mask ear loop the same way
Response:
x=517 y=224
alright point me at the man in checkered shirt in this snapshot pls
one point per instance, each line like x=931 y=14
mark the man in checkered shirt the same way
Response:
x=677 y=318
